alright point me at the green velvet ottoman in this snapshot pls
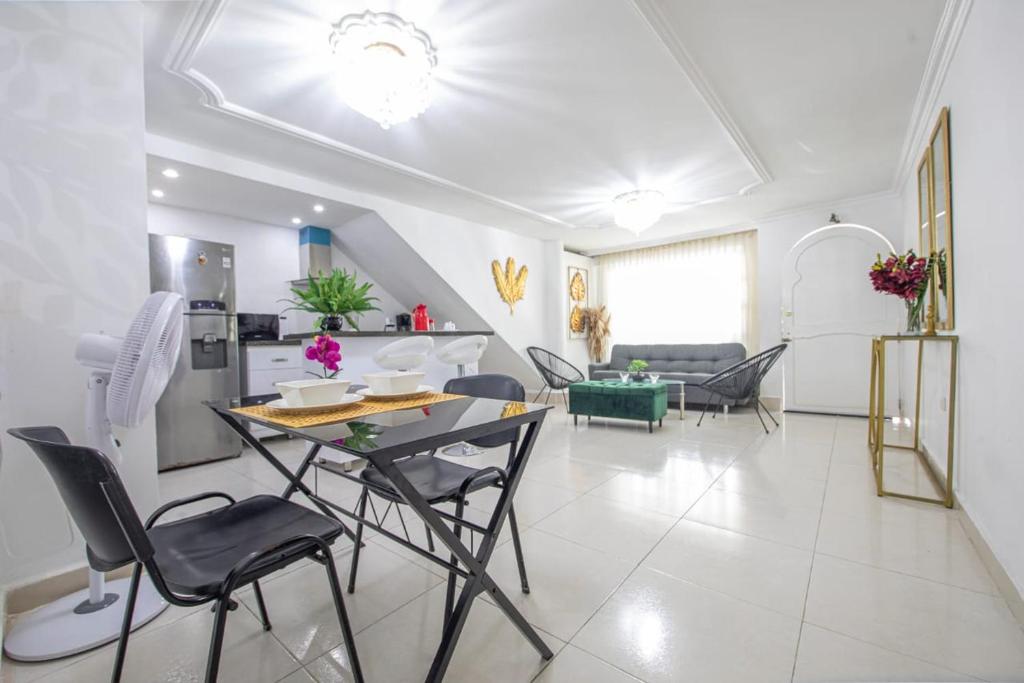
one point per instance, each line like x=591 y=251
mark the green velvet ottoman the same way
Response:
x=647 y=402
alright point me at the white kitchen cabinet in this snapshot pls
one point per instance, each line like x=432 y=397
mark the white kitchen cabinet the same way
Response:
x=263 y=366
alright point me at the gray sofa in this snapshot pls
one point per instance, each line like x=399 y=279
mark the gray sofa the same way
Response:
x=691 y=363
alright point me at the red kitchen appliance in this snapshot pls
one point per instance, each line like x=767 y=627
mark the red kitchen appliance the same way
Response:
x=420 y=318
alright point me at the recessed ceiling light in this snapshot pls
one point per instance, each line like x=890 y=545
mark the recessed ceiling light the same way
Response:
x=170 y=173
x=319 y=208
x=296 y=220
x=384 y=65
x=638 y=210
x=159 y=194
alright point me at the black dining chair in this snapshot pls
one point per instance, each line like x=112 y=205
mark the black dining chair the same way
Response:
x=441 y=481
x=742 y=382
x=557 y=372
x=191 y=561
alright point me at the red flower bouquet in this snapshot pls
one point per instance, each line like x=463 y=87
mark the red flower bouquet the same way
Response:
x=906 y=276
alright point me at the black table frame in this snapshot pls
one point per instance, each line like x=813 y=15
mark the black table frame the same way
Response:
x=477 y=580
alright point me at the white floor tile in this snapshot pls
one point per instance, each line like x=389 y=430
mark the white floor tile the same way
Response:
x=771 y=520
x=401 y=646
x=767 y=574
x=827 y=657
x=661 y=629
x=950 y=627
x=617 y=529
x=573 y=665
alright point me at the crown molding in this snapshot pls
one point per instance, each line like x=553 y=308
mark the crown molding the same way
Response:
x=947 y=38
x=659 y=24
x=752 y=224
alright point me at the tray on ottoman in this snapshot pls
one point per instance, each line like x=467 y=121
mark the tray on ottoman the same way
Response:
x=627 y=401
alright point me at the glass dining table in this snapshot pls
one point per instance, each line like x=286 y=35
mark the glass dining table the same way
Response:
x=383 y=439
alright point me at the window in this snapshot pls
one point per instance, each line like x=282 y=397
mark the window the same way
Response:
x=695 y=292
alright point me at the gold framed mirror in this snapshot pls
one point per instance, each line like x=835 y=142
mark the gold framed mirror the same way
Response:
x=941 y=221
x=924 y=204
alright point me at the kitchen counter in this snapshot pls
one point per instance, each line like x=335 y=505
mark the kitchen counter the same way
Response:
x=272 y=342
x=382 y=333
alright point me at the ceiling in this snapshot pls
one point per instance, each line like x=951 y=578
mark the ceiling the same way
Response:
x=542 y=113
x=203 y=189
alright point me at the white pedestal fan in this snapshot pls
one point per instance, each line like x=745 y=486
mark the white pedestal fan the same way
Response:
x=128 y=376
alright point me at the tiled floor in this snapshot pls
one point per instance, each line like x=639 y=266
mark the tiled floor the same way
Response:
x=713 y=554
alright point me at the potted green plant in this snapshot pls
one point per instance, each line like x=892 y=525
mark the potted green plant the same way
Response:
x=334 y=297
x=636 y=369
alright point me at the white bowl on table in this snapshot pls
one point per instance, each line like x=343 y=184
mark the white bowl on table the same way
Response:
x=313 y=392
x=393 y=382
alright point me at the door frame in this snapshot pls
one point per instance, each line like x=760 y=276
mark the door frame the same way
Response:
x=788 y=265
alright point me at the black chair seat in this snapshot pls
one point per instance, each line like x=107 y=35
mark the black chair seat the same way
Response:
x=435 y=479
x=196 y=554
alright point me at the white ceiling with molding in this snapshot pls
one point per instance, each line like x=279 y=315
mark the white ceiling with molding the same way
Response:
x=546 y=109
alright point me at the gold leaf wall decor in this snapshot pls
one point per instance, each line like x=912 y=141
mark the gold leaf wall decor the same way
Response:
x=511 y=286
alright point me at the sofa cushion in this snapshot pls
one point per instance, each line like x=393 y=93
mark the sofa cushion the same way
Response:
x=679 y=358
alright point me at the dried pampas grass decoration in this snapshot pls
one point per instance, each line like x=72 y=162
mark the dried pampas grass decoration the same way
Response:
x=598 y=323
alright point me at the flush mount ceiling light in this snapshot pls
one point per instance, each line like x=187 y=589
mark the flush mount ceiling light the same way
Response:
x=385 y=66
x=319 y=208
x=159 y=194
x=296 y=221
x=170 y=173
x=638 y=210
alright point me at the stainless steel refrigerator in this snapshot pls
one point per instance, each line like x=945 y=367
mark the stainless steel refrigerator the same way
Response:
x=187 y=432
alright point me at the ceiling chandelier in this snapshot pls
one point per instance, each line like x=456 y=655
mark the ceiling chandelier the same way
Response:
x=638 y=210
x=385 y=65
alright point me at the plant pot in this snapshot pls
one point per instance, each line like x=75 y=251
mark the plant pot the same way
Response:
x=638 y=376
x=331 y=323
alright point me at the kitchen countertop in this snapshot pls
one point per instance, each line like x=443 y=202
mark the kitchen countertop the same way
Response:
x=382 y=333
x=271 y=342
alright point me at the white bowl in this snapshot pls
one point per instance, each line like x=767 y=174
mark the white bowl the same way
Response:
x=394 y=382
x=313 y=392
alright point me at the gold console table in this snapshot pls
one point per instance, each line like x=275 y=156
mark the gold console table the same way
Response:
x=876 y=415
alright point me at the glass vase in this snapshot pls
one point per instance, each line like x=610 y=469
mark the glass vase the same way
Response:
x=914 y=316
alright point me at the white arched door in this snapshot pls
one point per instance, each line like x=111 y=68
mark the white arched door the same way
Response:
x=829 y=315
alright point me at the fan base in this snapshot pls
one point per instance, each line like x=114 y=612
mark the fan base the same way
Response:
x=58 y=630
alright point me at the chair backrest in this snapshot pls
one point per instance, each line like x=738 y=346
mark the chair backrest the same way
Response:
x=743 y=380
x=405 y=354
x=94 y=495
x=501 y=387
x=463 y=351
x=557 y=372
x=682 y=358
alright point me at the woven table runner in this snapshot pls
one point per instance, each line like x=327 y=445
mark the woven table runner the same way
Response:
x=362 y=408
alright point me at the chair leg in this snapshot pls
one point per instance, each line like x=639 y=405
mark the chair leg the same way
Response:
x=705 y=409
x=262 y=605
x=565 y=400
x=449 y=600
x=537 y=397
x=517 y=544
x=714 y=412
x=758 y=411
x=359 y=541
x=768 y=411
x=217 y=639
x=126 y=623
x=346 y=627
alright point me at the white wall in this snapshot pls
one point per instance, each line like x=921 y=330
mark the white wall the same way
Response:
x=983 y=91
x=266 y=260
x=776 y=236
x=73 y=252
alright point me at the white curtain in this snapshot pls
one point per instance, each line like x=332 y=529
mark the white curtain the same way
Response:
x=694 y=292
